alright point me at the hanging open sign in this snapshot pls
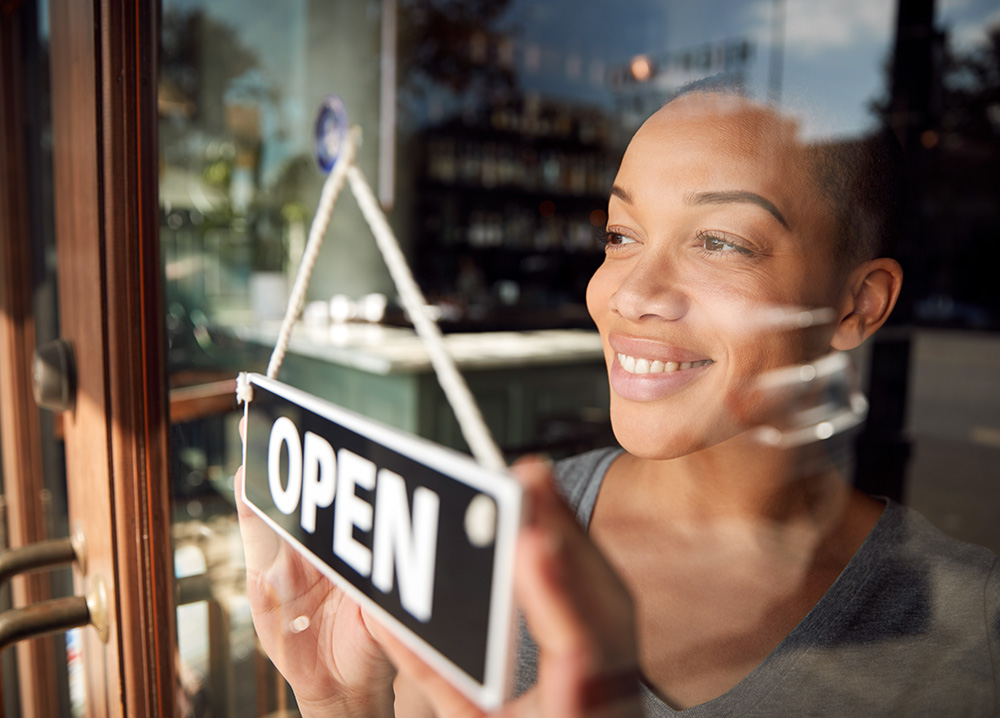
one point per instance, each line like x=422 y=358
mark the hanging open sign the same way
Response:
x=420 y=535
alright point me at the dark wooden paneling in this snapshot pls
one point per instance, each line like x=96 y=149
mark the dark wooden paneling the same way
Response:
x=76 y=192
x=136 y=354
x=20 y=440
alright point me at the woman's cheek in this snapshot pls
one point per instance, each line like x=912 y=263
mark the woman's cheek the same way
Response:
x=753 y=344
x=753 y=395
x=601 y=286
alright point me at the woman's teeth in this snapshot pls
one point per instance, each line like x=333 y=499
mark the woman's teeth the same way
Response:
x=645 y=366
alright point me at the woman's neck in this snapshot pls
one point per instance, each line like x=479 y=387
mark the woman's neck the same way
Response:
x=742 y=482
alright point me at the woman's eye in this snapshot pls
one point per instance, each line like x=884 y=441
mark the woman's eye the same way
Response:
x=615 y=239
x=713 y=243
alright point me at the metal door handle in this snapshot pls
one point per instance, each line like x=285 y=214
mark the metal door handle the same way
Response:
x=54 y=376
x=36 y=556
x=57 y=615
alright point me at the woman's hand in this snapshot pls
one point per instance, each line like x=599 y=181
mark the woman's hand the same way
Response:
x=579 y=613
x=318 y=639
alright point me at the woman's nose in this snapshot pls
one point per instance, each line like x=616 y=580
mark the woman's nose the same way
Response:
x=650 y=291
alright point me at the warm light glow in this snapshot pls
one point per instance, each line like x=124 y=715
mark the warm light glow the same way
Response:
x=642 y=68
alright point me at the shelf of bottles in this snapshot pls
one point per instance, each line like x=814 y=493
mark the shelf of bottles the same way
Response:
x=513 y=204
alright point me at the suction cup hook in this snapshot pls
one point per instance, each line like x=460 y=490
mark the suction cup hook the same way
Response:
x=331 y=132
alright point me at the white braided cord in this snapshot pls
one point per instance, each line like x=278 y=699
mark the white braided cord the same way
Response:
x=470 y=419
x=296 y=300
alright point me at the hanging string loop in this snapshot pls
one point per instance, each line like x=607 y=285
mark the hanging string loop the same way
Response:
x=470 y=420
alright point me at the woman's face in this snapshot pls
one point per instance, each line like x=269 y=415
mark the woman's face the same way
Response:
x=713 y=223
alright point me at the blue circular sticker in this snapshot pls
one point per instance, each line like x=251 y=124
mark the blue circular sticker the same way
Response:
x=331 y=132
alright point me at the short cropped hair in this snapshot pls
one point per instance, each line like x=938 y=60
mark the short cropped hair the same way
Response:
x=865 y=181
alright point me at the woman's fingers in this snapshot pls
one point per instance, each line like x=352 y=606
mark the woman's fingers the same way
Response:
x=581 y=620
x=443 y=699
x=313 y=633
x=561 y=571
x=577 y=609
x=261 y=545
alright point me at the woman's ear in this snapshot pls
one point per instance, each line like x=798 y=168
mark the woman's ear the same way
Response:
x=870 y=293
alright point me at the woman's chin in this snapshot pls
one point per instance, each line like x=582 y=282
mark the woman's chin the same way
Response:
x=644 y=442
x=664 y=439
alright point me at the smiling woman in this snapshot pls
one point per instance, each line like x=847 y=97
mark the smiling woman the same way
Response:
x=718 y=215
x=763 y=582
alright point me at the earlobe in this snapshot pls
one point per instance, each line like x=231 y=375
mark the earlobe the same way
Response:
x=870 y=295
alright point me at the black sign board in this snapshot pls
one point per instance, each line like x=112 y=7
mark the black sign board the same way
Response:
x=421 y=535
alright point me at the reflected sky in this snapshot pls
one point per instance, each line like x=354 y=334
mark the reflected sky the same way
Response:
x=832 y=52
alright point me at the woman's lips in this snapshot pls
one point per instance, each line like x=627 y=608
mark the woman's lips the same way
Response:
x=638 y=365
x=644 y=370
x=652 y=350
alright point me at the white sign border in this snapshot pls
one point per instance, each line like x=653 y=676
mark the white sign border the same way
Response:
x=505 y=490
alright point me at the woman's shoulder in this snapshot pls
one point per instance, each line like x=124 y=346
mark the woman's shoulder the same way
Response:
x=912 y=537
x=942 y=585
x=915 y=618
x=578 y=478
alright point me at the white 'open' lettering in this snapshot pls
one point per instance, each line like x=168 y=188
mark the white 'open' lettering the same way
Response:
x=319 y=478
x=404 y=546
x=350 y=511
x=411 y=550
x=286 y=499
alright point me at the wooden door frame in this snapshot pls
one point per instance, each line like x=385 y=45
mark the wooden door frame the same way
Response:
x=104 y=72
x=20 y=428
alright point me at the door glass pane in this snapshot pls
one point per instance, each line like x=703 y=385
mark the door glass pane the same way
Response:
x=239 y=86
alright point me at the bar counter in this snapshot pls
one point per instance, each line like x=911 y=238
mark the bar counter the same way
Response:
x=542 y=390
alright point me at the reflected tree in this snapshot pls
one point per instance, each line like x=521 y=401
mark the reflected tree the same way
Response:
x=185 y=76
x=455 y=45
x=950 y=272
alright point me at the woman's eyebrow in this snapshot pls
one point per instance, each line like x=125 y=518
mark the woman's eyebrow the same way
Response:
x=622 y=193
x=736 y=196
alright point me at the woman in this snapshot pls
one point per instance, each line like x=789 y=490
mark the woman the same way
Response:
x=754 y=580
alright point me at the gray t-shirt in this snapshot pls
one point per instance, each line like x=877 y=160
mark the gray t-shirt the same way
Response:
x=910 y=628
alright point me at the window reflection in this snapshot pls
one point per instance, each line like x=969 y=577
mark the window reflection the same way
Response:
x=510 y=121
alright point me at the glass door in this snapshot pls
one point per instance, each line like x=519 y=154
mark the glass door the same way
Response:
x=174 y=150
x=181 y=182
